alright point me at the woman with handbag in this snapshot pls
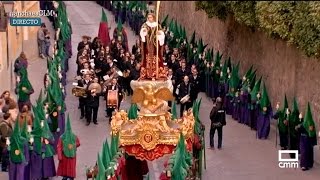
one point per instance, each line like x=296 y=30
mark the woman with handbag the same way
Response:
x=218 y=120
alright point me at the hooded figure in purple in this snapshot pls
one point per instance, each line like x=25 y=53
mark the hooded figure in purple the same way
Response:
x=48 y=166
x=236 y=107
x=254 y=105
x=265 y=114
x=19 y=155
x=248 y=79
x=308 y=139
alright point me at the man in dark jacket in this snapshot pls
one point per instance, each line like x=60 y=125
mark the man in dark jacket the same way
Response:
x=83 y=83
x=181 y=73
x=195 y=81
x=92 y=103
x=113 y=87
x=184 y=91
x=218 y=120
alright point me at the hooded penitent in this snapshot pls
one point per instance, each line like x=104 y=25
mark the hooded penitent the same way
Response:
x=234 y=80
x=255 y=90
x=308 y=122
x=24 y=82
x=17 y=143
x=103 y=33
x=46 y=134
x=37 y=132
x=24 y=130
x=294 y=117
x=164 y=22
x=283 y=116
x=69 y=141
x=265 y=102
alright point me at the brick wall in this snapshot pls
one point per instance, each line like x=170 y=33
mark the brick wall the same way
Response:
x=284 y=68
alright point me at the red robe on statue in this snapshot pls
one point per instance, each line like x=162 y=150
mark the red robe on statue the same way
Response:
x=136 y=168
x=151 y=37
x=67 y=166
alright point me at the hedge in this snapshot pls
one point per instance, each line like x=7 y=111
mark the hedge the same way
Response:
x=297 y=22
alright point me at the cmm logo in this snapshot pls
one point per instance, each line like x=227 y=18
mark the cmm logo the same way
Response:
x=288 y=163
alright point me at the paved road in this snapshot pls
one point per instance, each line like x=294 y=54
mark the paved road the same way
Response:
x=242 y=157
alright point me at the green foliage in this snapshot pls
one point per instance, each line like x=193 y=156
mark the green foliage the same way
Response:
x=244 y=12
x=297 y=22
x=276 y=18
x=214 y=8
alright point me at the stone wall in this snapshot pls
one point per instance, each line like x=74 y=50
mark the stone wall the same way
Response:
x=284 y=68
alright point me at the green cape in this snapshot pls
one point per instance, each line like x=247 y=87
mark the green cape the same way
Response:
x=308 y=121
x=265 y=102
x=69 y=141
x=46 y=134
x=24 y=82
x=17 y=143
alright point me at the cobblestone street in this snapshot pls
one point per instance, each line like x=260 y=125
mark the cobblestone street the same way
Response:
x=243 y=157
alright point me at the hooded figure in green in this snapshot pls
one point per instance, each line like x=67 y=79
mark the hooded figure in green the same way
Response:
x=48 y=166
x=308 y=139
x=24 y=89
x=282 y=115
x=19 y=155
x=120 y=35
x=294 y=120
x=66 y=150
x=265 y=113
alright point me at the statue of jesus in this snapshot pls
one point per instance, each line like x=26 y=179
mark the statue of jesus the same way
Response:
x=152 y=39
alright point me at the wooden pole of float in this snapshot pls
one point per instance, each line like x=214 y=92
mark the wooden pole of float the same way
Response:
x=157 y=39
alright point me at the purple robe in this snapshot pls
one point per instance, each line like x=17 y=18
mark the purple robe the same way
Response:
x=236 y=108
x=244 y=108
x=48 y=166
x=36 y=165
x=228 y=104
x=306 y=148
x=20 y=171
x=254 y=113
x=61 y=126
x=263 y=123
x=61 y=122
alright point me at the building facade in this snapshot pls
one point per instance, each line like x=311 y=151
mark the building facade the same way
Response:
x=14 y=40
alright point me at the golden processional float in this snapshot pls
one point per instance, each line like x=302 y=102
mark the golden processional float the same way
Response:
x=152 y=132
